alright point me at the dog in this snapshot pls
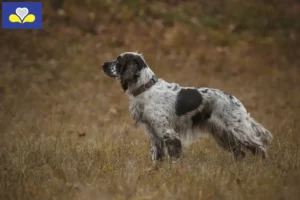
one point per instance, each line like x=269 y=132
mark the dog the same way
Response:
x=171 y=113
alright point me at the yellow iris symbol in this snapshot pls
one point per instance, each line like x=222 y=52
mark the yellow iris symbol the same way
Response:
x=22 y=16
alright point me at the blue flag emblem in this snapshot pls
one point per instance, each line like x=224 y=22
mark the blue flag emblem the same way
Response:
x=22 y=15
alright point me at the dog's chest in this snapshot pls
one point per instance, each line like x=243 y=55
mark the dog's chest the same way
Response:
x=151 y=106
x=137 y=109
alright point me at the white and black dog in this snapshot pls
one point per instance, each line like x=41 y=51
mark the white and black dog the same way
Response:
x=171 y=113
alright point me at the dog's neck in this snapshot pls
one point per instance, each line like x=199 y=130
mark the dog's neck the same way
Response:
x=146 y=74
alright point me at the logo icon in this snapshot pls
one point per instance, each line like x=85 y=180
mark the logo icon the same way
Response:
x=22 y=15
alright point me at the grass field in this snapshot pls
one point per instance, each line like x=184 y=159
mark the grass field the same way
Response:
x=65 y=126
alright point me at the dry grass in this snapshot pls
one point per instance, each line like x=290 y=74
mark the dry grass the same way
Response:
x=67 y=134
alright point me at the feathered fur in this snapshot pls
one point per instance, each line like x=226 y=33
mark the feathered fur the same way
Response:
x=172 y=114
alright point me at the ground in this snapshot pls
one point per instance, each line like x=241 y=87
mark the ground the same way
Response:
x=65 y=126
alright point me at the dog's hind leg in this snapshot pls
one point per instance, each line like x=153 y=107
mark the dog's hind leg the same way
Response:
x=227 y=142
x=236 y=137
x=264 y=136
x=252 y=136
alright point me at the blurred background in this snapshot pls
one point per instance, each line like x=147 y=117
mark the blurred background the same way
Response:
x=56 y=105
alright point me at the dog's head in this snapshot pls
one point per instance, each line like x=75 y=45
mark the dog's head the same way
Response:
x=127 y=67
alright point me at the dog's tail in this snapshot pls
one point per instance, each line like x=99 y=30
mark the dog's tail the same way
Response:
x=265 y=136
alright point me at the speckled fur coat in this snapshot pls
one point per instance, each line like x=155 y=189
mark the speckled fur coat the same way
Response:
x=172 y=114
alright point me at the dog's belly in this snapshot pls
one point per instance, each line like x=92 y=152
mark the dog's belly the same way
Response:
x=190 y=136
x=187 y=131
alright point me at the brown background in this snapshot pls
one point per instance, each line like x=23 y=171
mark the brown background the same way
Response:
x=65 y=127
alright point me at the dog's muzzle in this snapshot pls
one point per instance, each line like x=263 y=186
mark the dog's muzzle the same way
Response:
x=110 y=69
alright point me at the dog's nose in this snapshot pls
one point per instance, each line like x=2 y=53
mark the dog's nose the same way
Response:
x=105 y=67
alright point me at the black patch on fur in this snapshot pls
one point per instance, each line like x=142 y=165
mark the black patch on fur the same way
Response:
x=205 y=91
x=201 y=117
x=187 y=100
x=137 y=59
x=131 y=65
x=176 y=87
x=124 y=85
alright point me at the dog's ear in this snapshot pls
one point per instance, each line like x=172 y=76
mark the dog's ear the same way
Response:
x=129 y=74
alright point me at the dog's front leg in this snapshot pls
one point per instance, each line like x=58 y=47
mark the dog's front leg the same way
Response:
x=163 y=131
x=156 y=148
x=173 y=144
